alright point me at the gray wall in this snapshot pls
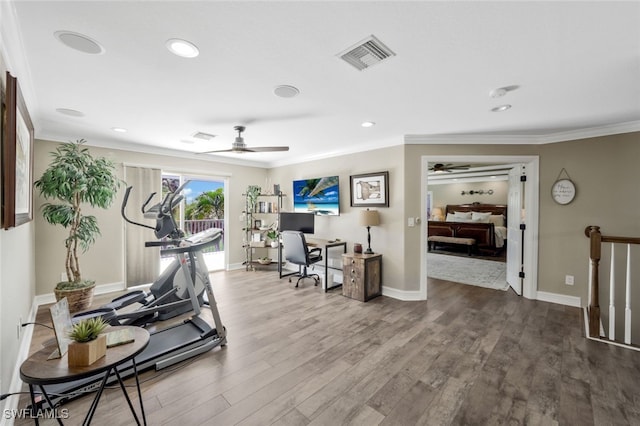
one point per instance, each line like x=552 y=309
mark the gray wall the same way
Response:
x=104 y=261
x=386 y=238
x=605 y=172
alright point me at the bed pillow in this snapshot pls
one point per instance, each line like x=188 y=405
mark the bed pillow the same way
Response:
x=497 y=219
x=480 y=217
x=463 y=215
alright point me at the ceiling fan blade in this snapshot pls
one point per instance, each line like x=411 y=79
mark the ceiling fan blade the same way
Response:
x=240 y=147
x=213 y=152
x=268 y=148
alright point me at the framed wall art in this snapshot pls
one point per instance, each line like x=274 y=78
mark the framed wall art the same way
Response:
x=370 y=190
x=17 y=158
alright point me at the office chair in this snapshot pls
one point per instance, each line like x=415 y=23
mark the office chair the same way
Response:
x=298 y=253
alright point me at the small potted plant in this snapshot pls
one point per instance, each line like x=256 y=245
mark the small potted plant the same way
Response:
x=75 y=178
x=273 y=236
x=87 y=345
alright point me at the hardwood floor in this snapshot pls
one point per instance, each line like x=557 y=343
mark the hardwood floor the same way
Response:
x=467 y=356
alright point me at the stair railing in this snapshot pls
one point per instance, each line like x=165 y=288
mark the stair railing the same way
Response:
x=595 y=328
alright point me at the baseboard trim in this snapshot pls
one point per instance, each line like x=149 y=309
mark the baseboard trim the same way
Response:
x=407 y=296
x=11 y=404
x=561 y=299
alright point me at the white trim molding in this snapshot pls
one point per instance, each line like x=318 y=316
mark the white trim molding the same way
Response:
x=406 y=296
x=560 y=299
x=524 y=138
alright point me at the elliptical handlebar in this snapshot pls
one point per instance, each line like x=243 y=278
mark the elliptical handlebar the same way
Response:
x=124 y=206
x=162 y=212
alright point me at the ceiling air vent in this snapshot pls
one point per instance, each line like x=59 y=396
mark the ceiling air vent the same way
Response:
x=203 y=136
x=366 y=53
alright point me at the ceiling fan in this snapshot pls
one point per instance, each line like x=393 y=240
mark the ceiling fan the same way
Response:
x=439 y=167
x=240 y=147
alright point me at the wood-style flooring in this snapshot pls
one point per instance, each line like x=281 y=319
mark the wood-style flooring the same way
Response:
x=299 y=356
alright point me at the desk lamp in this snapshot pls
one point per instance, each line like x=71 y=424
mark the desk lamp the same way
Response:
x=369 y=218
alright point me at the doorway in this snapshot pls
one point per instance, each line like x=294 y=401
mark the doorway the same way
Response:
x=202 y=208
x=526 y=263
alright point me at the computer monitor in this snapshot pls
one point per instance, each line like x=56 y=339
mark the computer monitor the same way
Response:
x=304 y=222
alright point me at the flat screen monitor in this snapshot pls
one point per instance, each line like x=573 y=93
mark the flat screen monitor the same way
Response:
x=319 y=196
x=304 y=222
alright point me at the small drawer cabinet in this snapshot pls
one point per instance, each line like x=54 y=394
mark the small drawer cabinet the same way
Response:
x=362 y=276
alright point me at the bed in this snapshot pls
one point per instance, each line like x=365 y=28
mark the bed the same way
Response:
x=479 y=227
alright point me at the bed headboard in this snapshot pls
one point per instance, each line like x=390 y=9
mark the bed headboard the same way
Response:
x=478 y=207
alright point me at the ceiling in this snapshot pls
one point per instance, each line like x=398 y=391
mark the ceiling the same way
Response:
x=574 y=67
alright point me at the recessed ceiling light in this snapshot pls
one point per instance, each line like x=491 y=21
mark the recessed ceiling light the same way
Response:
x=368 y=124
x=79 y=42
x=119 y=129
x=501 y=108
x=182 y=48
x=70 y=112
x=285 y=91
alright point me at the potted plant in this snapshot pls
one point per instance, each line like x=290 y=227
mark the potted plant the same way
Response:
x=272 y=234
x=87 y=345
x=75 y=178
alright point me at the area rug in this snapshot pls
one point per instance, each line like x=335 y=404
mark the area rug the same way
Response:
x=478 y=272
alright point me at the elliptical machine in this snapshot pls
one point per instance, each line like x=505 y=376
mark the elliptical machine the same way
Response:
x=170 y=294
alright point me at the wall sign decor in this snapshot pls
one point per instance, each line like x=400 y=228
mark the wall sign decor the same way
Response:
x=477 y=192
x=563 y=190
x=17 y=158
x=370 y=190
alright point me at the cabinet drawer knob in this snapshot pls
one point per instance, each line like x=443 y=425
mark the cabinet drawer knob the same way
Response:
x=352 y=281
x=353 y=271
x=353 y=262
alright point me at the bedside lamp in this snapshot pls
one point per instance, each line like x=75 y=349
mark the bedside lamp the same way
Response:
x=436 y=214
x=369 y=218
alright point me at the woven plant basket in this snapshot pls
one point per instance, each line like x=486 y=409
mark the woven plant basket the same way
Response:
x=79 y=299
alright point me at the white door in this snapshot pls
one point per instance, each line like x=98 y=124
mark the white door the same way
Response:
x=514 y=233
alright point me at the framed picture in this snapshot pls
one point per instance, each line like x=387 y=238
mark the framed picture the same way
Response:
x=370 y=190
x=17 y=158
x=257 y=224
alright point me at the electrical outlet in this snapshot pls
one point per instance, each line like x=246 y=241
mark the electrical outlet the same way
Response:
x=63 y=276
x=411 y=222
x=568 y=279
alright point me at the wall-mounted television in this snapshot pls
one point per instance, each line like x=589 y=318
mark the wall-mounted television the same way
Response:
x=320 y=196
x=304 y=222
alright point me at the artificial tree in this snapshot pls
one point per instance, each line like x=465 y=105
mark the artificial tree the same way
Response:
x=74 y=178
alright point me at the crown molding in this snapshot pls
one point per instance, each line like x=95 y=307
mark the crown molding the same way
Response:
x=524 y=139
x=149 y=149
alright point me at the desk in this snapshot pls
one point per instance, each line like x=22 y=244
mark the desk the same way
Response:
x=324 y=244
x=39 y=371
